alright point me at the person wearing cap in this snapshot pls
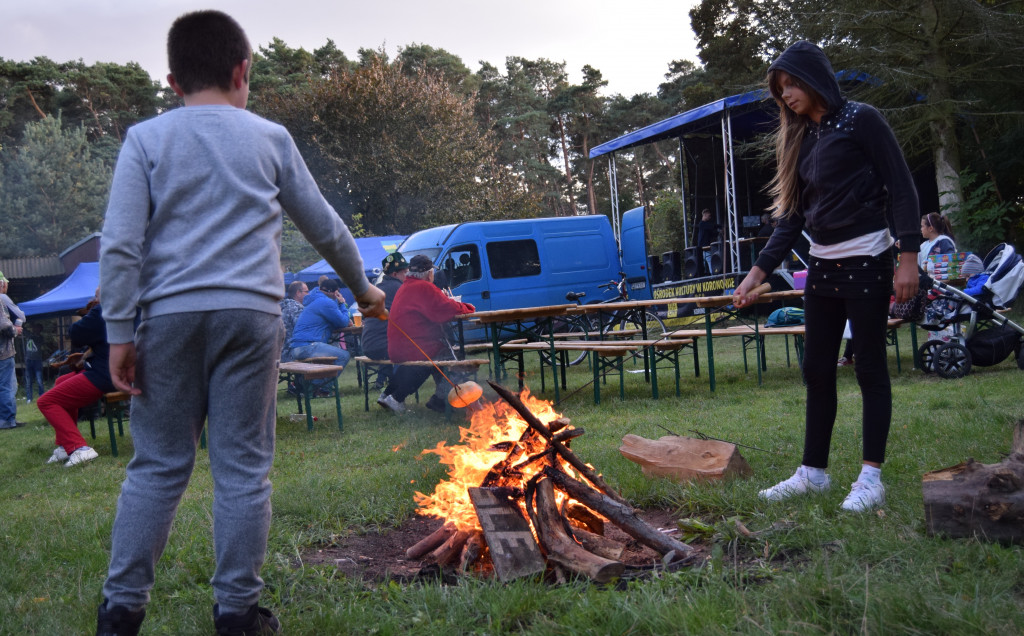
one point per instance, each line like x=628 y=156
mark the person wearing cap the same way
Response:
x=375 y=332
x=421 y=310
x=318 y=322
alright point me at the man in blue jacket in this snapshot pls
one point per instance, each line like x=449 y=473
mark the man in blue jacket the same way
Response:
x=322 y=317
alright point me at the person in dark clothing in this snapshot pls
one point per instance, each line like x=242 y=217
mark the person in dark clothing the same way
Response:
x=707 y=233
x=839 y=170
x=767 y=226
x=375 y=332
x=78 y=389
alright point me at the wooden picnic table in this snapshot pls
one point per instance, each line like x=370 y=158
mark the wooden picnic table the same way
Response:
x=303 y=372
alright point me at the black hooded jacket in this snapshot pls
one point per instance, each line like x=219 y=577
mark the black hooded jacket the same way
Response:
x=851 y=169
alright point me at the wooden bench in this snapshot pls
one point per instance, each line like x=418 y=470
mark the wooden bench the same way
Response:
x=608 y=355
x=369 y=368
x=303 y=374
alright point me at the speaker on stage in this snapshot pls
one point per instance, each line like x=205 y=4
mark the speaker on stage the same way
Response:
x=671 y=268
x=691 y=265
x=654 y=268
x=715 y=257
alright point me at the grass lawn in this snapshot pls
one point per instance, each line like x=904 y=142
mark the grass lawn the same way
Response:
x=821 y=571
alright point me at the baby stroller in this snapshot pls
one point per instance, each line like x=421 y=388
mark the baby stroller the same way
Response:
x=981 y=336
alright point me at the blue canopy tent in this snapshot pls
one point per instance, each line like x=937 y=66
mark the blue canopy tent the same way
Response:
x=71 y=295
x=373 y=249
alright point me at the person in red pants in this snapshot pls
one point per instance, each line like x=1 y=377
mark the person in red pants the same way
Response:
x=72 y=391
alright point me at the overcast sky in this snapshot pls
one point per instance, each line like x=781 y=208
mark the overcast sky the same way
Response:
x=630 y=41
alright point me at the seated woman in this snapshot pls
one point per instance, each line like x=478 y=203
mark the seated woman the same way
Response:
x=938 y=237
x=80 y=388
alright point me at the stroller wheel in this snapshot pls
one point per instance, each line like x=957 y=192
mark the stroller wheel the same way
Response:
x=926 y=354
x=952 y=360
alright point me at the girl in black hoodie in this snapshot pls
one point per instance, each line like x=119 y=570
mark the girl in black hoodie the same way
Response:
x=839 y=171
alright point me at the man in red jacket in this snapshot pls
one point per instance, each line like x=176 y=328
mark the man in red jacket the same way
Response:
x=421 y=310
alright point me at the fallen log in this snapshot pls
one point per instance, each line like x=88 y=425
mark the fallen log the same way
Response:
x=975 y=499
x=685 y=458
x=560 y=547
x=431 y=541
x=619 y=514
x=562 y=449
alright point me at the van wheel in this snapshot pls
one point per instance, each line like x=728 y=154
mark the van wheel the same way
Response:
x=952 y=360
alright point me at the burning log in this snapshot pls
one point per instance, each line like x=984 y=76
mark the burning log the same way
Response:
x=514 y=551
x=584 y=517
x=450 y=549
x=601 y=546
x=560 y=547
x=472 y=551
x=561 y=448
x=619 y=514
x=431 y=541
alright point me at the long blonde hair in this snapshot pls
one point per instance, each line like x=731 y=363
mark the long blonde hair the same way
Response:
x=784 y=187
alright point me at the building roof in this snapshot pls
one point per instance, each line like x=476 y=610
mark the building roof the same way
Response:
x=31 y=267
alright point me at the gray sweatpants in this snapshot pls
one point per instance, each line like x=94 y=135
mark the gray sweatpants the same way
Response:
x=218 y=367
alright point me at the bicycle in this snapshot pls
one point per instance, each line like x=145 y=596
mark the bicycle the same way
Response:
x=620 y=324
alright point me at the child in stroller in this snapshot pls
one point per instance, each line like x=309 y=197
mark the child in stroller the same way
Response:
x=981 y=335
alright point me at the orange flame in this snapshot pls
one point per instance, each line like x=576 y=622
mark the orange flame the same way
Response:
x=471 y=460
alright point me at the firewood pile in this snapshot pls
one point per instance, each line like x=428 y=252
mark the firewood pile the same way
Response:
x=542 y=509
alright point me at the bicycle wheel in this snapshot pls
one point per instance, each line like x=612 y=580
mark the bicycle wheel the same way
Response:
x=628 y=328
x=581 y=328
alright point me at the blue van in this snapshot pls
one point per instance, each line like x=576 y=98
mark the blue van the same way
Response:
x=532 y=262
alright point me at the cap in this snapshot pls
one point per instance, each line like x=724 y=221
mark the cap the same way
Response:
x=394 y=262
x=421 y=263
x=3 y=279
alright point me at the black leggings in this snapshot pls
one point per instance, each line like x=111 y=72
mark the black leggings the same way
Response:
x=825 y=318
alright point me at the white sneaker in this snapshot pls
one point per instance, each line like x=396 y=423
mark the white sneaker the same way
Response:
x=798 y=484
x=59 y=455
x=80 y=456
x=864 y=497
x=389 y=402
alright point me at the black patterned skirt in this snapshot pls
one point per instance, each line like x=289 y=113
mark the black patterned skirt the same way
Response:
x=852 y=277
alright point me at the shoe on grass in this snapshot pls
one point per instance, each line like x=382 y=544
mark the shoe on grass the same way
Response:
x=844 y=362
x=864 y=497
x=436 y=404
x=80 y=456
x=255 y=621
x=7 y=425
x=390 y=403
x=118 y=621
x=59 y=455
x=798 y=484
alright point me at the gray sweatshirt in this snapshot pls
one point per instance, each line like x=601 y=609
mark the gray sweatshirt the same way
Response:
x=194 y=219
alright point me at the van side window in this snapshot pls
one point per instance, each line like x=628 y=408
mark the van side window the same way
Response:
x=512 y=259
x=462 y=264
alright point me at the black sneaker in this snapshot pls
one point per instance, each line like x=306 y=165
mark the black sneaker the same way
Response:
x=436 y=404
x=256 y=621
x=118 y=621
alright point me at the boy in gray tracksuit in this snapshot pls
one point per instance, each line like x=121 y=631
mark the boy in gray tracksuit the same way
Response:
x=192 y=237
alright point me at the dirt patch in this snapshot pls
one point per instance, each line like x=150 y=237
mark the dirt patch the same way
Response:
x=377 y=557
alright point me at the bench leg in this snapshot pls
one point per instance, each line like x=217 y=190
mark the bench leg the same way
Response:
x=654 y=370
x=337 y=402
x=363 y=371
x=110 y=426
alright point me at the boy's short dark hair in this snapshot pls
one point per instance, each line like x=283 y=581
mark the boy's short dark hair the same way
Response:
x=203 y=47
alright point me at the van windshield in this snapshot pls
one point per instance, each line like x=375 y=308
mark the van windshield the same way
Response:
x=430 y=252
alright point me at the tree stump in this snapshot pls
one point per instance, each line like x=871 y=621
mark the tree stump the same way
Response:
x=971 y=498
x=685 y=458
